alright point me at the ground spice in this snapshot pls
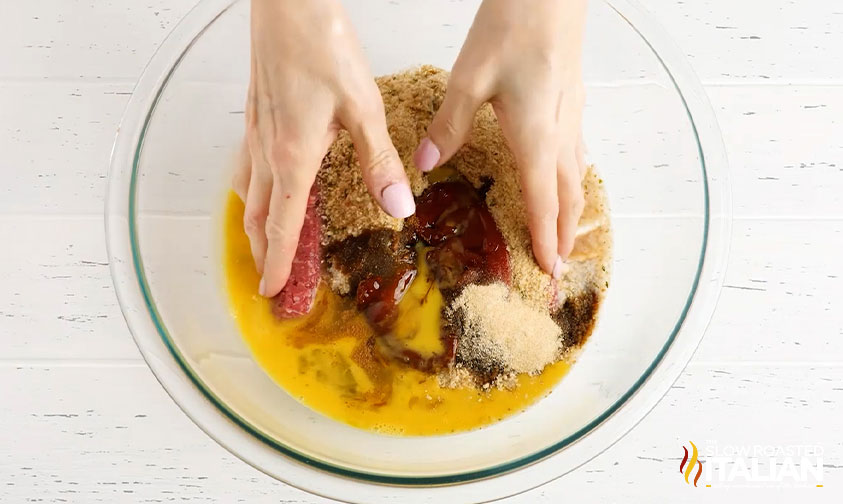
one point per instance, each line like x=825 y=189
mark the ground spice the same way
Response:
x=498 y=327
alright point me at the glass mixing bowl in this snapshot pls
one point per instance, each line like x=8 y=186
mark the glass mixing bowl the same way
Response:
x=653 y=138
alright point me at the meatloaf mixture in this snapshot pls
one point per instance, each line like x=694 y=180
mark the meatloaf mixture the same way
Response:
x=502 y=314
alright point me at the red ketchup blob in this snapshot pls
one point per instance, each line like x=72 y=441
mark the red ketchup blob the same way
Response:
x=378 y=297
x=467 y=245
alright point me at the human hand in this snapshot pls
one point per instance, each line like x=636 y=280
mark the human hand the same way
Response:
x=524 y=58
x=309 y=78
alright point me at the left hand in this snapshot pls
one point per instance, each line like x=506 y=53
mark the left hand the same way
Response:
x=309 y=79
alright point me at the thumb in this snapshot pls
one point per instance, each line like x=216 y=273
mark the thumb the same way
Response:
x=381 y=166
x=449 y=130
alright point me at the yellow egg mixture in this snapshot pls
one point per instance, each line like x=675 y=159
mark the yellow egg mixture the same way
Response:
x=323 y=358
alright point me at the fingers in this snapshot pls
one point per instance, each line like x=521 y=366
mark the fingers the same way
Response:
x=540 y=197
x=380 y=164
x=532 y=138
x=571 y=203
x=257 y=206
x=242 y=171
x=449 y=130
x=290 y=189
x=579 y=152
x=537 y=168
x=282 y=172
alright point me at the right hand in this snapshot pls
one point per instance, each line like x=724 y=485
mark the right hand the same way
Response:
x=525 y=58
x=309 y=79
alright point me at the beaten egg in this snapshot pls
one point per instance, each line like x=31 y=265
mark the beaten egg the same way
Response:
x=326 y=360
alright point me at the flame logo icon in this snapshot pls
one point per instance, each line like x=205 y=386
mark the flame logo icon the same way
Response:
x=690 y=464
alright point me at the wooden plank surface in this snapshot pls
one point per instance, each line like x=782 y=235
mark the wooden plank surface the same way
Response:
x=130 y=447
x=770 y=370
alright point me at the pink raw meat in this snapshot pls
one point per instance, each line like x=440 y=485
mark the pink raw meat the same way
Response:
x=297 y=297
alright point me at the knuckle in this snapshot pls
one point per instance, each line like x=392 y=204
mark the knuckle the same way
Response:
x=577 y=202
x=543 y=215
x=352 y=110
x=465 y=87
x=447 y=129
x=371 y=107
x=544 y=62
x=282 y=154
x=382 y=161
x=252 y=222
x=293 y=180
x=252 y=132
x=277 y=169
x=450 y=129
x=362 y=106
x=275 y=231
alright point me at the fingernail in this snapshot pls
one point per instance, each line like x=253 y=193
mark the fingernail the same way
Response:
x=559 y=267
x=398 y=200
x=426 y=155
x=262 y=287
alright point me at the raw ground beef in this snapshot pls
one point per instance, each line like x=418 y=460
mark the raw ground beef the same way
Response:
x=297 y=297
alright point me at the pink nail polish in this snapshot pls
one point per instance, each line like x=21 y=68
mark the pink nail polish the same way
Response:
x=558 y=268
x=426 y=155
x=398 y=200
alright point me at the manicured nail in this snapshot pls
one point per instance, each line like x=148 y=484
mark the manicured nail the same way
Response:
x=426 y=155
x=559 y=267
x=398 y=200
x=262 y=287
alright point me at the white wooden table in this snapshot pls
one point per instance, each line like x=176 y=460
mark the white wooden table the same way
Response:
x=83 y=420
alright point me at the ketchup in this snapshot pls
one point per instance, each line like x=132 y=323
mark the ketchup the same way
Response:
x=378 y=298
x=467 y=245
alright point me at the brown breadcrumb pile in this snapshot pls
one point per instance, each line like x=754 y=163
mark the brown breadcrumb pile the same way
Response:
x=411 y=98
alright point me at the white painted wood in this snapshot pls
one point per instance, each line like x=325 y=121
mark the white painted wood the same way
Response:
x=784 y=149
x=83 y=40
x=782 y=300
x=55 y=145
x=777 y=41
x=83 y=420
x=88 y=439
x=747 y=41
x=57 y=299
